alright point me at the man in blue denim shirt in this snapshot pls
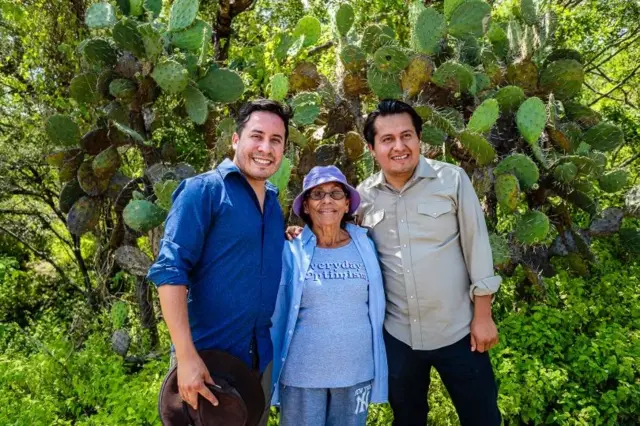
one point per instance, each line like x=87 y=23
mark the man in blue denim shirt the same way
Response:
x=220 y=260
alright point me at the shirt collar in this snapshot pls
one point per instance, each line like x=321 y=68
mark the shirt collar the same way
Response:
x=423 y=170
x=308 y=235
x=228 y=166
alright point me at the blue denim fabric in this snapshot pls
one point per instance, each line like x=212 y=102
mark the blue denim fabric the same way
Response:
x=227 y=252
x=296 y=258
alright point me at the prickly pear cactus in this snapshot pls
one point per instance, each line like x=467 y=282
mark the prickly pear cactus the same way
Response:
x=494 y=96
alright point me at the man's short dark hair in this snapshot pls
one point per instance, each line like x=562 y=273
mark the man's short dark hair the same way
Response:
x=282 y=111
x=389 y=107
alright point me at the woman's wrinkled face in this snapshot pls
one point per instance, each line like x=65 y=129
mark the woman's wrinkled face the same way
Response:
x=326 y=204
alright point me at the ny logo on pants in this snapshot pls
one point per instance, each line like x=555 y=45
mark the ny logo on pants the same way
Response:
x=362 y=399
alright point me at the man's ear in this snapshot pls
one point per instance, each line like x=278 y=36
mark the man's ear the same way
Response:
x=370 y=148
x=234 y=140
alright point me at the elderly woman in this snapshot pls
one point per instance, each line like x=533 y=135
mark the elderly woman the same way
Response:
x=329 y=356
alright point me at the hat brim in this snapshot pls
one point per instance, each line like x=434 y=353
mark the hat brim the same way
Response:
x=354 y=197
x=220 y=364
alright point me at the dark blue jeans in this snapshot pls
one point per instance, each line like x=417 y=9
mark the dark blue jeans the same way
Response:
x=468 y=377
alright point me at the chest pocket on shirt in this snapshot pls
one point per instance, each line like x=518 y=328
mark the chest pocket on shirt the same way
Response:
x=434 y=209
x=370 y=220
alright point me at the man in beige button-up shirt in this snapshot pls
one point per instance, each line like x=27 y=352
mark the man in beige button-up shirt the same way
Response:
x=433 y=247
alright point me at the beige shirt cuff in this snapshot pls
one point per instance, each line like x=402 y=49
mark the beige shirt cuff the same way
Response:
x=485 y=287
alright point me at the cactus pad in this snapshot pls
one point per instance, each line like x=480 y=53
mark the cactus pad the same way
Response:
x=353 y=145
x=153 y=6
x=308 y=27
x=566 y=136
x=122 y=88
x=564 y=54
x=182 y=14
x=434 y=118
x=98 y=52
x=306 y=108
x=297 y=137
x=62 y=130
x=344 y=18
x=71 y=192
x=221 y=85
x=106 y=163
x=417 y=75
x=531 y=119
x=69 y=168
x=565 y=172
x=126 y=35
x=196 y=104
x=164 y=191
x=353 y=58
x=510 y=98
x=453 y=76
x=385 y=86
x=171 y=76
x=563 y=77
x=134 y=261
x=582 y=114
x=521 y=167
x=100 y=15
x=304 y=77
x=507 y=191
x=152 y=41
x=84 y=215
x=484 y=117
x=480 y=149
x=143 y=215
x=523 y=74
x=532 y=228
x=432 y=135
x=191 y=38
x=390 y=59
x=89 y=182
x=428 y=31
x=604 y=137
x=614 y=181
x=370 y=40
x=499 y=40
x=450 y=6
x=528 y=12
x=469 y=18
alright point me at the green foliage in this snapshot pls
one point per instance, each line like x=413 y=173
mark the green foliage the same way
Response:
x=563 y=78
x=453 y=76
x=279 y=87
x=308 y=28
x=604 y=137
x=522 y=167
x=469 y=19
x=164 y=191
x=510 y=98
x=507 y=191
x=478 y=146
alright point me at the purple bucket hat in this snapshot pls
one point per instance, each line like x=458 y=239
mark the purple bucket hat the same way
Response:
x=324 y=174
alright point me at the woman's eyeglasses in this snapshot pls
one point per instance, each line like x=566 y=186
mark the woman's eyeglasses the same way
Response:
x=319 y=195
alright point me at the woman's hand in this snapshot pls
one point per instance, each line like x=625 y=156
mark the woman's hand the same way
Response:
x=292 y=232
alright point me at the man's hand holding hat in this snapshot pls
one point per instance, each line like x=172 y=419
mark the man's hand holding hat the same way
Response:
x=193 y=376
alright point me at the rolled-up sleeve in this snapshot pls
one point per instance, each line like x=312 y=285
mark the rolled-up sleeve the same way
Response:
x=184 y=234
x=474 y=239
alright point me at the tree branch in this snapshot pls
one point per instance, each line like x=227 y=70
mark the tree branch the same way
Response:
x=630 y=160
x=619 y=85
x=320 y=48
x=617 y=43
x=42 y=255
x=623 y=101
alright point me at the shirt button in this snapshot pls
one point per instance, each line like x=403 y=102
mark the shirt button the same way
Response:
x=404 y=245
x=295 y=307
x=290 y=331
x=401 y=220
x=413 y=321
x=408 y=270
x=412 y=297
x=282 y=359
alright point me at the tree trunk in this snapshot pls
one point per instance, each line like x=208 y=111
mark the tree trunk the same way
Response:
x=227 y=10
x=144 y=296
